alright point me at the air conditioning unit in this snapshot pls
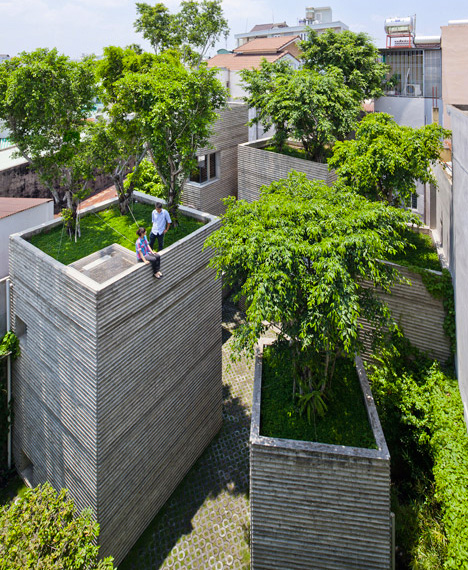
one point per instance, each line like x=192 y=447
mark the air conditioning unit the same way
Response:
x=413 y=89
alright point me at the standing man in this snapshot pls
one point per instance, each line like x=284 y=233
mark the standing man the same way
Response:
x=161 y=222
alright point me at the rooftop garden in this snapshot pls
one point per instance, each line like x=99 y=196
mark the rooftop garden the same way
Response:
x=420 y=253
x=346 y=421
x=100 y=229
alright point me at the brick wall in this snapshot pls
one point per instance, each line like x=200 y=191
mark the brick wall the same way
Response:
x=22 y=182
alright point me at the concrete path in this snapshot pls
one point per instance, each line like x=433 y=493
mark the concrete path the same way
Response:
x=205 y=524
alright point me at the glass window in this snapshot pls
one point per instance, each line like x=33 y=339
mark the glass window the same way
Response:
x=206 y=170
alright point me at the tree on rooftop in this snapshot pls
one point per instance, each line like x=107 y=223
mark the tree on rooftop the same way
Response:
x=119 y=145
x=175 y=107
x=385 y=160
x=314 y=108
x=353 y=53
x=193 y=30
x=41 y=529
x=44 y=101
x=299 y=256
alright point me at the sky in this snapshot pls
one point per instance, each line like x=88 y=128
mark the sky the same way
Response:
x=77 y=27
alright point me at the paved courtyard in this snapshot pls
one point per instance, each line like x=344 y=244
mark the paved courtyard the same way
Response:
x=205 y=523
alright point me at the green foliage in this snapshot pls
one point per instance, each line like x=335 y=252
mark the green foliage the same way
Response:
x=346 y=422
x=175 y=108
x=157 y=26
x=298 y=255
x=44 y=101
x=146 y=179
x=419 y=253
x=41 y=529
x=353 y=53
x=193 y=30
x=315 y=108
x=10 y=343
x=385 y=159
x=422 y=416
x=105 y=228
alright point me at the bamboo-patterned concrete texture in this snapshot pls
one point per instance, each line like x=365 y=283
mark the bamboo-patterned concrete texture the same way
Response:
x=229 y=130
x=118 y=389
x=258 y=167
x=419 y=315
x=317 y=505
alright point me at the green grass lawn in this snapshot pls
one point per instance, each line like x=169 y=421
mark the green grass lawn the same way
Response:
x=105 y=228
x=423 y=255
x=345 y=422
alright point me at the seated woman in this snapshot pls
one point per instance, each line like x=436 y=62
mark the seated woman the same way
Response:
x=146 y=254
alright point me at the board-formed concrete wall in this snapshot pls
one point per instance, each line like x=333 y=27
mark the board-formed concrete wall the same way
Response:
x=258 y=167
x=118 y=389
x=419 y=315
x=230 y=130
x=317 y=505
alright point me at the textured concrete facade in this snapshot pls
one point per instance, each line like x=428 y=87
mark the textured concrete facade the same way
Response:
x=459 y=242
x=317 y=505
x=230 y=130
x=118 y=389
x=419 y=315
x=259 y=167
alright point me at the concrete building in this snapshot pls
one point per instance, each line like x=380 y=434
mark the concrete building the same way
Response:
x=454 y=66
x=118 y=388
x=319 y=19
x=16 y=215
x=449 y=210
x=216 y=175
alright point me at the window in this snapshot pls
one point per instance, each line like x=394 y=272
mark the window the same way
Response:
x=20 y=327
x=207 y=169
x=414 y=201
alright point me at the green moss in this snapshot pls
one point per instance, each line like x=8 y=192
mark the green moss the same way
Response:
x=345 y=422
x=105 y=228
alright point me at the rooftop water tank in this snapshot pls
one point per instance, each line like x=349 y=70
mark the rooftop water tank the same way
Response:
x=397 y=26
x=457 y=22
x=426 y=40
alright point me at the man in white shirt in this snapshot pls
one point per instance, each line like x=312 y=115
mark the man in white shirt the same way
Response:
x=161 y=222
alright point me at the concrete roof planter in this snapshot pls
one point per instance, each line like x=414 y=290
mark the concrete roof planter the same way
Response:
x=258 y=167
x=118 y=388
x=316 y=505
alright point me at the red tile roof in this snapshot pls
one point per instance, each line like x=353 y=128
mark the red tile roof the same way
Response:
x=10 y=206
x=267 y=45
x=236 y=62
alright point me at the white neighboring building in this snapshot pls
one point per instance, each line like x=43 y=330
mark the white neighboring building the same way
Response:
x=319 y=19
x=16 y=215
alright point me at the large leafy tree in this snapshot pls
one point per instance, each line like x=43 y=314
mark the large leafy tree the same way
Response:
x=353 y=53
x=385 y=159
x=314 y=108
x=41 y=529
x=299 y=256
x=45 y=99
x=118 y=142
x=157 y=26
x=193 y=30
x=175 y=107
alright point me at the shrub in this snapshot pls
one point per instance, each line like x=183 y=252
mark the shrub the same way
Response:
x=422 y=416
x=41 y=530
